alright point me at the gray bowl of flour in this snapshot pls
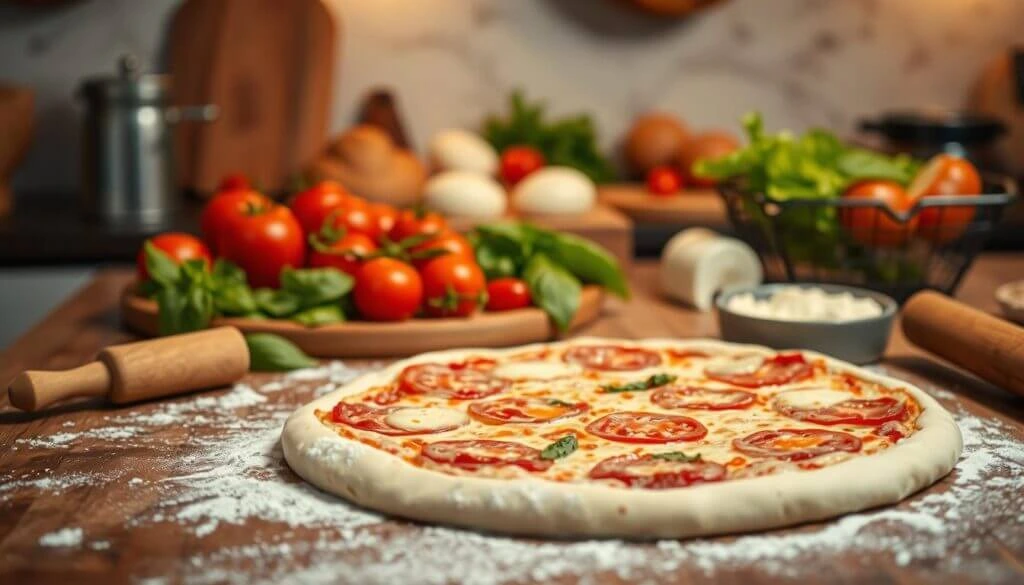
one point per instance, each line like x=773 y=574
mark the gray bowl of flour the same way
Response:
x=848 y=323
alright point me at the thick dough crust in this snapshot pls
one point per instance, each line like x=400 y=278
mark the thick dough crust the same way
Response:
x=378 y=480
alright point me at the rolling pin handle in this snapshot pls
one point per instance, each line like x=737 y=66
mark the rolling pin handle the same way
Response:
x=34 y=389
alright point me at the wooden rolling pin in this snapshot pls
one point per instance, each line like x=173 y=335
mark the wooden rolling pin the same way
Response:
x=974 y=340
x=141 y=370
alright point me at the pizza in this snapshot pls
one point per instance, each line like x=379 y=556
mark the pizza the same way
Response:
x=602 y=437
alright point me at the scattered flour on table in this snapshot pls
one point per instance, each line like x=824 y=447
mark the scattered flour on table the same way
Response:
x=234 y=474
x=62 y=537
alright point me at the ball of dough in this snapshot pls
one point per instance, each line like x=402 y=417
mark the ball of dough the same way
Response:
x=365 y=149
x=654 y=140
x=464 y=193
x=555 y=190
x=459 y=150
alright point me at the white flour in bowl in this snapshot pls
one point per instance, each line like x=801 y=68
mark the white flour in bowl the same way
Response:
x=231 y=474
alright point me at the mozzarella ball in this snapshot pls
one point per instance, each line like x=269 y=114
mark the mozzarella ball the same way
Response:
x=555 y=190
x=465 y=194
x=459 y=150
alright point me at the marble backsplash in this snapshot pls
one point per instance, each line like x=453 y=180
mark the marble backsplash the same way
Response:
x=802 y=62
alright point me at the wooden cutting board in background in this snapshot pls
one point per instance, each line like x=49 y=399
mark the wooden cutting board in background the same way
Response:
x=268 y=66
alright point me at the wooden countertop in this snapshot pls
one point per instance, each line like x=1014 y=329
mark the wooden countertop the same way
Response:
x=195 y=490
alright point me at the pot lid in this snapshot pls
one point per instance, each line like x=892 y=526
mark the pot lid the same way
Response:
x=128 y=86
x=936 y=127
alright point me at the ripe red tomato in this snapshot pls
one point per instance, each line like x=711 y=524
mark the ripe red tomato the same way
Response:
x=453 y=242
x=224 y=209
x=453 y=286
x=385 y=216
x=506 y=294
x=519 y=161
x=234 y=182
x=664 y=181
x=312 y=206
x=945 y=175
x=345 y=253
x=413 y=222
x=262 y=241
x=356 y=217
x=387 y=290
x=178 y=246
x=872 y=226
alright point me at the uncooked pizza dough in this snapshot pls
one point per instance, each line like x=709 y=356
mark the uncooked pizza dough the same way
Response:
x=659 y=438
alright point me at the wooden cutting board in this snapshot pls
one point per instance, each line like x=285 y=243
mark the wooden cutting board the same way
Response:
x=268 y=65
x=691 y=207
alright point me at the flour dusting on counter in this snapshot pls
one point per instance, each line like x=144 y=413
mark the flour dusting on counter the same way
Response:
x=223 y=473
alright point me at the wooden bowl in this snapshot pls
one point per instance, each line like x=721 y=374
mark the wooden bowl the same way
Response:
x=361 y=339
x=17 y=108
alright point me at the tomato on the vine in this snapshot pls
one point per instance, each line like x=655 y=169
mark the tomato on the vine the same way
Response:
x=872 y=226
x=413 y=222
x=384 y=216
x=945 y=175
x=262 y=241
x=387 y=290
x=346 y=253
x=453 y=286
x=664 y=181
x=506 y=294
x=178 y=246
x=519 y=161
x=312 y=206
x=224 y=209
x=234 y=182
x=448 y=241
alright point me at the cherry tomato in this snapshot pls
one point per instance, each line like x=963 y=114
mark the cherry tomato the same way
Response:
x=234 y=182
x=312 y=206
x=453 y=242
x=664 y=181
x=262 y=241
x=178 y=246
x=344 y=253
x=387 y=290
x=415 y=222
x=385 y=216
x=453 y=286
x=872 y=226
x=945 y=175
x=224 y=209
x=506 y=294
x=519 y=161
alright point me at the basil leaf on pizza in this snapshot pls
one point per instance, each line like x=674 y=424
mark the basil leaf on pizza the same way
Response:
x=653 y=381
x=561 y=448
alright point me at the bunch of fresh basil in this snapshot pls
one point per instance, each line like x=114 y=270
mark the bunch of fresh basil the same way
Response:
x=189 y=295
x=553 y=264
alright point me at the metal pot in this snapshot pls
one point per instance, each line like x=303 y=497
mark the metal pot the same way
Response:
x=924 y=133
x=127 y=149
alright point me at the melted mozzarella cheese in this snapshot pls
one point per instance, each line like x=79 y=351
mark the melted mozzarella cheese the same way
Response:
x=812 y=398
x=536 y=370
x=426 y=419
x=729 y=367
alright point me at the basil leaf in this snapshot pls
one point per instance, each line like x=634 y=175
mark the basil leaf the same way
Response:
x=676 y=456
x=561 y=448
x=148 y=288
x=273 y=353
x=171 y=305
x=226 y=273
x=502 y=249
x=276 y=302
x=322 y=315
x=159 y=265
x=590 y=262
x=554 y=289
x=235 y=299
x=315 y=286
x=653 y=381
x=183 y=310
x=557 y=402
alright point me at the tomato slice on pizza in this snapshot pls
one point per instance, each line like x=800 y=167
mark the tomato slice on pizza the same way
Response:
x=445 y=381
x=796 y=444
x=524 y=410
x=782 y=368
x=673 y=397
x=475 y=454
x=654 y=471
x=398 y=421
x=612 y=358
x=647 y=427
x=867 y=411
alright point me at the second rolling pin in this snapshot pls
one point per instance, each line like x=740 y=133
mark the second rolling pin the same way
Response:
x=142 y=370
x=974 y=340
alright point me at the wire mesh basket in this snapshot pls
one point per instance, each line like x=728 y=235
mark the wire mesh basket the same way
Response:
x=861 y=242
